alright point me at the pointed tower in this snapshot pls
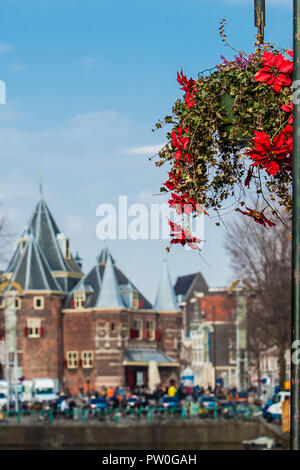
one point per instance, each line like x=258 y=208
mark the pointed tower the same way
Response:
x=38 y=324
x=104 y=255
x=165 y=297
x=109 y=296
x=54 y=245
x=32 y=271
x=91 y=285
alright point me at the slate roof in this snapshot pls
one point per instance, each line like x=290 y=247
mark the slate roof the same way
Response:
x=184 y=283
x=44 y=230
x=109 y=295
x=104 y=254
x=165 y=297
x=92 y=282
x=147 y=355
x=32 y=270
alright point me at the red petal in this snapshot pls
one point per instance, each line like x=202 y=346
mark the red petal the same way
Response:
x=268 y=59
x=272 y=168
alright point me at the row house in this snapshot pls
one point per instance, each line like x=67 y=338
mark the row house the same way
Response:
x=209 y=334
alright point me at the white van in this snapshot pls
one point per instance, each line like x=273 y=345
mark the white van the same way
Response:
x=27 y=390
x=44 y=389
x=274 y=411
x=3 y=394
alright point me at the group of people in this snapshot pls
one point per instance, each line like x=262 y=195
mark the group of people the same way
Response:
x=123 y=398
x=117 y=397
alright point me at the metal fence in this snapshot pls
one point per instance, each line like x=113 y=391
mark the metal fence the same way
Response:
x=131 y=415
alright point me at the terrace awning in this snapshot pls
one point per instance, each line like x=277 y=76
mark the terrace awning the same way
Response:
x=142 y=357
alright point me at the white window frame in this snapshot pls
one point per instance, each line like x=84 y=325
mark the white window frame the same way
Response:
x=35 y=306
x=17 y=303
x=72 y=358
x=34 y=324
x=79 y=298
x=151 y=329
x=140 y=328
x=87 y=362
x=135 y=300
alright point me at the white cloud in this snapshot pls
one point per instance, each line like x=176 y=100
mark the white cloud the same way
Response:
x=5 y=49
x=10 y=112
x=81 y=137
x=146 y=150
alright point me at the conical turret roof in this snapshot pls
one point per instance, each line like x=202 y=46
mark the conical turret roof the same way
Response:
x=32 y=271
x=109 y=295
x=165 y=297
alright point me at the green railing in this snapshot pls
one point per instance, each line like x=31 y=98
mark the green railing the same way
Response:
x=148 y=414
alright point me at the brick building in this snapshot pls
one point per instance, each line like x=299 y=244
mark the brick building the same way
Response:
x=89 y=330
x=209 y=335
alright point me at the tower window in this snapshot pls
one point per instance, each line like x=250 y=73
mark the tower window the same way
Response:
x=23 y=242
x=135 y=300
x=38 y=303
x=67 y=249
x=17 y=303
x=64 y=244
x=33 y=328
x=79 y=299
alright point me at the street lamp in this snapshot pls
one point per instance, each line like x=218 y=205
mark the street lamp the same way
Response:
x=11 y=348
x=260 y=18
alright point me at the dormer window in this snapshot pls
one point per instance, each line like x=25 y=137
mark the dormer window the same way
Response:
x=23 y=242
x=79 y=299
x=67 y=249
x=135 y=300
x=64 y=244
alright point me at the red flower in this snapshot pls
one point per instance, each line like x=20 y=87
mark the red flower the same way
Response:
x=257 y=217
x=268 y=154
x=173 y=180
x=184 y=237
x=276 y=71
x=287 y=163
x=183 y=204
x=189 y=87
x=180 y=141
x=289 y=109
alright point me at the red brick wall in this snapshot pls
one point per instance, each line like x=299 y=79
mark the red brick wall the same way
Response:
x=107 y=335
x=39 y=357
x=224 y=307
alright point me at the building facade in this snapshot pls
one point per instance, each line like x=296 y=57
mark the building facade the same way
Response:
x=89 y=330
x=209 y=335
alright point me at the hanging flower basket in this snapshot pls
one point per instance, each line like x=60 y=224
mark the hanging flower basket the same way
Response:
x=231 y=128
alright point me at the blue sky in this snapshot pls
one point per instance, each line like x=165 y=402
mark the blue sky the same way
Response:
x=86 y=81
